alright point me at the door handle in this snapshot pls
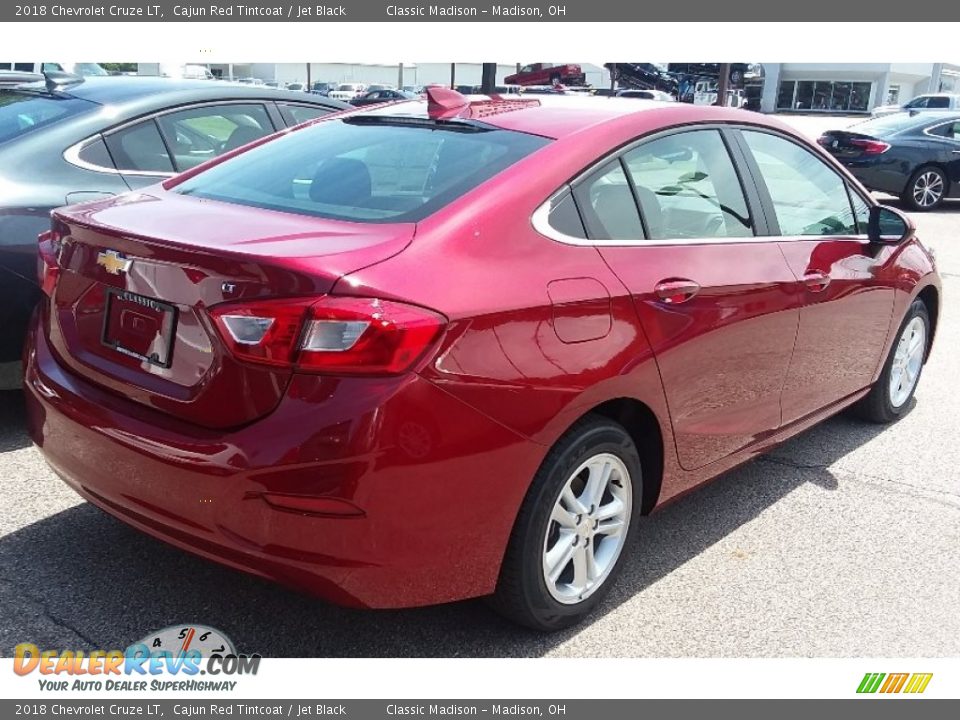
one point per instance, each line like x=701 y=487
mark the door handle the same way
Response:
x=816 y=281
x=676 y=290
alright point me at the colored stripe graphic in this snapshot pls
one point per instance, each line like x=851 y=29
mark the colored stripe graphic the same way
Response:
x=918 y=682
x=894 y=683
x=870 y=682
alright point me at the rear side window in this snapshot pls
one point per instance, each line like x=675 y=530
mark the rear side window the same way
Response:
x=608 y=207
x=381 y=170
x=139 y=148
x=688 y=188
x=809 y=198
x=21 y=113
x=296 y=114
x=565 y=218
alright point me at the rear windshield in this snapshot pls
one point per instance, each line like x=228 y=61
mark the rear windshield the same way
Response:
x=21 y=113
x=348 y=170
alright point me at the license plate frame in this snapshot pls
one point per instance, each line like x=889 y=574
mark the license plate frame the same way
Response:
x=167 y=318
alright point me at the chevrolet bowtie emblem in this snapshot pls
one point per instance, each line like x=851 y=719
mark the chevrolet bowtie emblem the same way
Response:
x=113 y=262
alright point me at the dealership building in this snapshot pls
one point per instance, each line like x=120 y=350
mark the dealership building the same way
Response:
x=368 y=73
x=851 y=88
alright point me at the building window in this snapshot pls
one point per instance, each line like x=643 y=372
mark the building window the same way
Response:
x=824 y=95
x=893 y=95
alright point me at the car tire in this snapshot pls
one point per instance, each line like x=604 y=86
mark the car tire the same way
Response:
x=925 y=189
x=593 y=448
x=889 y=399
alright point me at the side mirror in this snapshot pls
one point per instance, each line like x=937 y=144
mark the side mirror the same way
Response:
x=887 y=226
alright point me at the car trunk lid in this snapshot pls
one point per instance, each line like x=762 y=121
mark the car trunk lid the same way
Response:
x=138 y=273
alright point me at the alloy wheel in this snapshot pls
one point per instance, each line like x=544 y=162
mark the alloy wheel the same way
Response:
x=587 y=528
x=907 y=361
x=928 y=189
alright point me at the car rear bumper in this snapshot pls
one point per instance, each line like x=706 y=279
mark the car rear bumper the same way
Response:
x=438 y=483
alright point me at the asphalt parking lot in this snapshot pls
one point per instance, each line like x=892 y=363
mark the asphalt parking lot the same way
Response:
x=843 y=542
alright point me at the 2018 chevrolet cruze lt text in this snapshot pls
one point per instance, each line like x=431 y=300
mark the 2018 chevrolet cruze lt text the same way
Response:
x=457 y=347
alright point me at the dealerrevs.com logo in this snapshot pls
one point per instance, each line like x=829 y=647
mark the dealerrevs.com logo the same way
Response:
x=185 y=652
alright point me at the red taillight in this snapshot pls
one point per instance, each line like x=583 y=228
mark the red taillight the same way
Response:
x=871 y=147
x=48 y=266
x=341 y=335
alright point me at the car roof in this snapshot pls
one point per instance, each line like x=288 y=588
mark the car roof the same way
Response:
x=147 y=93
x=557 y=116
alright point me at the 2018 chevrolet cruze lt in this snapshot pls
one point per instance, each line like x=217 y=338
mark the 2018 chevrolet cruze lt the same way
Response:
x=457 y=347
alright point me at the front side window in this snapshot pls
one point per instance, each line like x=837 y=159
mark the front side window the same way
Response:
x=198 y=134
x=938 y=102
x=688 y=188
x=809 y=198
x=365 y=170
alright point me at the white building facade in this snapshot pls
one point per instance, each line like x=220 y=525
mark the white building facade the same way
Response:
x=851 y=88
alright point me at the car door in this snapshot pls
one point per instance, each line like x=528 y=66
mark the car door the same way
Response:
x=947 y=138
x=846 y=309
x=162 y=145
x=714 y=296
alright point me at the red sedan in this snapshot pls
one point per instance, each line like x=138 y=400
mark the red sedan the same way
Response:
x=454 y=348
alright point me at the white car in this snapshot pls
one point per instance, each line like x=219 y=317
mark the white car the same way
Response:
x=347 y=91
x=931 y=101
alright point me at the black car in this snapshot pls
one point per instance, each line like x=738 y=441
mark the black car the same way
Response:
x=380 y=96
x=69 y=139
x=913 y=155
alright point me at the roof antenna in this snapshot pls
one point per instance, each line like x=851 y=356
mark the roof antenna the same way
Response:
x=47 y=80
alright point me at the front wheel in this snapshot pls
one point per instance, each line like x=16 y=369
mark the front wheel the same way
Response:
x=925 y=189
x=568 y=541
x=889 y=398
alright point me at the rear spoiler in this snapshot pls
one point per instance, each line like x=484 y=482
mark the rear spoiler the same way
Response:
x=52 y=80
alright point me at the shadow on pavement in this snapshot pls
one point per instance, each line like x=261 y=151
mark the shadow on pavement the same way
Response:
x=82 y=579
x=13 y=421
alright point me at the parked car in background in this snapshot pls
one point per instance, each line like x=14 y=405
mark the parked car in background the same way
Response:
x=658 y=95
x=453 y=348
x=347 y=91
x=250 y=81
x=922 y=103
x=75 y=68
x=296 y=86
x=322 y=88
x=62 y=147
x=913 y=155
x=380 y=96
x=547 y=74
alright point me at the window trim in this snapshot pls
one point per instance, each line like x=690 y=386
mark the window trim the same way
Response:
x=540 y=218
x=955 y=121
x=72 y=153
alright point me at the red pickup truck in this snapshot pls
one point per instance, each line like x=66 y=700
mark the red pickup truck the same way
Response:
x=547 y=74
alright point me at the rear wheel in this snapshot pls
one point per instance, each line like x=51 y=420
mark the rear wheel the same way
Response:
x=889 y=398
x=926 y=189
x=580 y=513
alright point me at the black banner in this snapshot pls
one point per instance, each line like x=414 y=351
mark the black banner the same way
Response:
x=478 y=11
